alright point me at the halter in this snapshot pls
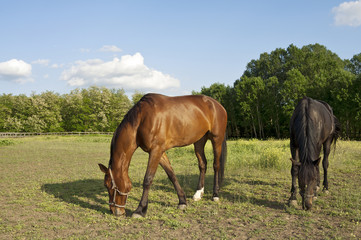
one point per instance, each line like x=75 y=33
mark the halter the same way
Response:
x=308 y=196
x=115 y=192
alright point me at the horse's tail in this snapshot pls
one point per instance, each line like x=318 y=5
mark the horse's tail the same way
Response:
x=306 y=142
x=222 y=160
x=337 y=132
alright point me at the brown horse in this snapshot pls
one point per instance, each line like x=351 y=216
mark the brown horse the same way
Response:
x=155 y=124
x=312 y=126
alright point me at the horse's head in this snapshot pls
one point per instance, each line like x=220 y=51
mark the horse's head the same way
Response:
x=117 y=199
x=307 y=180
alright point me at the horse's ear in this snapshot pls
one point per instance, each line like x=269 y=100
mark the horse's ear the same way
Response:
x=294 y=162
x=316 y=162
x=103 y=168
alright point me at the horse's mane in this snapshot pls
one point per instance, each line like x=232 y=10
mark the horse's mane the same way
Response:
x=130 y=118
x=303 y=127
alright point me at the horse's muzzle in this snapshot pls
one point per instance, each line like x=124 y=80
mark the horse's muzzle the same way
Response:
x=118 y=212
x=308 y=203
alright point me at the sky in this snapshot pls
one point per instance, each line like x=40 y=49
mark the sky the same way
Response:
x=168 y=47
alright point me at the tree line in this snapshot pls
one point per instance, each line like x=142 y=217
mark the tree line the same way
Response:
x=259 y=104
x=95 y=109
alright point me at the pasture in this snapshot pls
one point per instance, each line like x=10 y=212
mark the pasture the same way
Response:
x=52 y=188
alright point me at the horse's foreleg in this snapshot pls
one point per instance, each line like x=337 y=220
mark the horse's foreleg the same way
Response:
x=164 y=162
x=303 y=194
x=154 y=158
x=202 y=164
x=317 y=187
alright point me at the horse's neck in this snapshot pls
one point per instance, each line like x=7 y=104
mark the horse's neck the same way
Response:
x=123 y=147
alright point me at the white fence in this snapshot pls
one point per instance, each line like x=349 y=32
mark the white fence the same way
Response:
x=26 y=134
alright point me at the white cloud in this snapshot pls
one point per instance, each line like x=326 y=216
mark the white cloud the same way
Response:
x=128 y=73
x=55 y=65
x=44 y=62
x=348 y=13
x=15 y=70
x=84 y=50
x=110 y=48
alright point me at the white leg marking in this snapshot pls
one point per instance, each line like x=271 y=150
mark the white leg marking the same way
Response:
x=198 y=195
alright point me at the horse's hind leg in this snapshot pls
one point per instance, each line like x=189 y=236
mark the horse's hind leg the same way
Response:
x=294 y=174
x=164 y=162
x=217 y=143
x=326 y=152
x=202 y=164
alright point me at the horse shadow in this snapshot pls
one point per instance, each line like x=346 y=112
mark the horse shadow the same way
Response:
x=260 y=199
x=189 y=184
x=91 y=194
x=87 y=193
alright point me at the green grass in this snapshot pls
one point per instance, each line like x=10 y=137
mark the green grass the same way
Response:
x=52 y=188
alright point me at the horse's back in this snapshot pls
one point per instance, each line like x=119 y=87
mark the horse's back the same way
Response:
x=159 y=100
x=317 y=111
x=191 y=106
x=315 y=116
x=180 y=120
x=321 y=113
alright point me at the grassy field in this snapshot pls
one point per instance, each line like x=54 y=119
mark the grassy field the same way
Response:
x=52 y=188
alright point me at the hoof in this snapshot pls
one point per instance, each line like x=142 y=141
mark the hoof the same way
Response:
x=196 y=199
x=308 y=207
x=293 y=203
x=216 y=199
x=198 y=195
x=136 y=215
x=182 y=206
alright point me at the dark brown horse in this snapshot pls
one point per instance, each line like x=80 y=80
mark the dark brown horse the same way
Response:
x=157 y=123
x=312 y=126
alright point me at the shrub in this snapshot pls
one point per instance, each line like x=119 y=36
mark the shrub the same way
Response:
x=271 y=158
x=6 y=142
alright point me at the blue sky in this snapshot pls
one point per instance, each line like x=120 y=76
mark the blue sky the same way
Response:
x=170 y=47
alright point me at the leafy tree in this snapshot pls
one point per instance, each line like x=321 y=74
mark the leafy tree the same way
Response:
x=272 y=85
x=6 y=101
x=293 y=89
x=96 y=101
x=74 y=113
x=249 y=91
x=119 y=106
x=271 y=108
x=217 y=91
x=136 y=97
x=44 y=113
x=94 y=109
x=354 y=64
